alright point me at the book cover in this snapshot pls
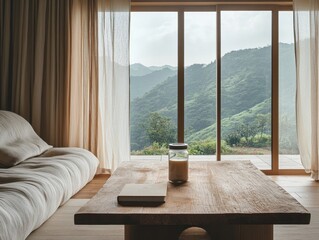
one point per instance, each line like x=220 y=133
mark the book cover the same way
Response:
x=142 y=194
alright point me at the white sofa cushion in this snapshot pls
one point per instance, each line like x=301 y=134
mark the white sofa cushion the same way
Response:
x=31 y=191
x=18 y=141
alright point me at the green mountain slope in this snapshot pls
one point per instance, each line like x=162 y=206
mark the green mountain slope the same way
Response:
x=246 y=92
x=233 y=123
x=138 y=69
x=156 y=68
x=142 y=84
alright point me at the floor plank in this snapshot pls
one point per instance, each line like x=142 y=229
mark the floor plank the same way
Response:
x=92 y=187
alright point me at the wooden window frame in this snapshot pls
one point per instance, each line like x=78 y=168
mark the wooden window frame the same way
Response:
x=180 y=7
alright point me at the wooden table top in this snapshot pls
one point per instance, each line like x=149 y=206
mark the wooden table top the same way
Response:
x=225 y=192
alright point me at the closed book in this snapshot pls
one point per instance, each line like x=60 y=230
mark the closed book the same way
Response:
x=142 y=194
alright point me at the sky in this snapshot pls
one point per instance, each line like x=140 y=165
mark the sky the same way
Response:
x=154 y=35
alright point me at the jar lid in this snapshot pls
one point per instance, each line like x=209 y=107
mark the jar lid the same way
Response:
x=178 y=146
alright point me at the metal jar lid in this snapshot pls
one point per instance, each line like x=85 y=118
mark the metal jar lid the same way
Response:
x=178 y=146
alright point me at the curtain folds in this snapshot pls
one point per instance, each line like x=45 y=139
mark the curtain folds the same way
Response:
x=64 y=66
x=114 y=22
x=32 y=63
x=82 y=77
x=306 y=24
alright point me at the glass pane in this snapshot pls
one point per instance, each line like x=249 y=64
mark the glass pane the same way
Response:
x=200 y=83
x=246 y=86
x=153 y=82
x=289 y=157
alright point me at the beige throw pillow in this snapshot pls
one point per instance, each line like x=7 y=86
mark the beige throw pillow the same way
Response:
x=18 y=141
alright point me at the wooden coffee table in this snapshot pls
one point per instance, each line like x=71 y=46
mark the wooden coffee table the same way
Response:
x=231 y=200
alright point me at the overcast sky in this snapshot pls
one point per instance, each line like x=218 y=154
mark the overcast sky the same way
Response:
x=154 y=35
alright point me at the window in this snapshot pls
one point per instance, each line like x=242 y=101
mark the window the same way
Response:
x=200 y=83
x=223 y=61
x=153 y=87
x=246 y=86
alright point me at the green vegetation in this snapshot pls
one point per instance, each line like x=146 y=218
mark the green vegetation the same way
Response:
x=207 y=147
x=154 y=149
x=142 y=84
x=160 y=129
x=246 y=105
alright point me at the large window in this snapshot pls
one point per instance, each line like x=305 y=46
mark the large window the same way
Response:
x=208 y=76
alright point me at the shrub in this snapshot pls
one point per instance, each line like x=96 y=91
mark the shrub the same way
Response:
x=257 y=141
x=207 y=147
x=262 y=141
x=225 y=148
x=154 y=149
x=233 y=139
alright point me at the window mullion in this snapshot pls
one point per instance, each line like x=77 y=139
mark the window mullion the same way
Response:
x=218 y=85
x=275 y=93
x=180 y=75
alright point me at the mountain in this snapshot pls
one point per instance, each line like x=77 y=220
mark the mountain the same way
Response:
x=142 y=84
x=156 y=68
x=138 y=69
x=246 y=92
x=287 y=85
x=231 y=124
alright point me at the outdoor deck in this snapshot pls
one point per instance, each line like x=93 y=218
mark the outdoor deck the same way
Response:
x=262 y=162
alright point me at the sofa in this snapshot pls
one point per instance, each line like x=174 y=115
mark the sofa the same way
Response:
x=35 y=178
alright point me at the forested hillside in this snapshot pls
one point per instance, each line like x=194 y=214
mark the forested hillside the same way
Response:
x=246 y=96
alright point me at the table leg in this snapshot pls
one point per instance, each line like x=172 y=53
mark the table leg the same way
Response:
x=253 y=232
x=159 y=232
x=216 y=232
x=240 y=232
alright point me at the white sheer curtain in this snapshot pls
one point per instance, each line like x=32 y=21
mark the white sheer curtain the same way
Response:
x=306 y=23
x=113 y=51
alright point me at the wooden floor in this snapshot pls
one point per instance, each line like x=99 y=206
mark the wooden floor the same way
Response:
x=60 y=226
x=92 y=187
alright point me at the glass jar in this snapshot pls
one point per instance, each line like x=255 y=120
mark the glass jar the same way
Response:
x=178 y=163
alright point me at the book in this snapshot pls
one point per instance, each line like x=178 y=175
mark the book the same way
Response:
x=142 y=194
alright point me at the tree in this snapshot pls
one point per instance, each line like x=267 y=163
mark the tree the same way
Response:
x=248 y=131
x=233 y=138
x=160 y=129
x=263 y=122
